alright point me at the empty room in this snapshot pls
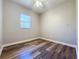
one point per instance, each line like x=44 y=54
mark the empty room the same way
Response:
x=38 y=29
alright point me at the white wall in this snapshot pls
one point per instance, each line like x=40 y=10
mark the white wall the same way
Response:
x=57 y=24
x=0 y=22
x=60 y=23
x=12 y=31
x=0 y=25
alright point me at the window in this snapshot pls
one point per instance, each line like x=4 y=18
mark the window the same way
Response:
x=25 y=21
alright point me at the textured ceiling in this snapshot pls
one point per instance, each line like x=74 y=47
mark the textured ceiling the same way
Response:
x=49 y=4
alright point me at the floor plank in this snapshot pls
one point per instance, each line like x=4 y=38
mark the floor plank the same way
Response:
x=38 y=49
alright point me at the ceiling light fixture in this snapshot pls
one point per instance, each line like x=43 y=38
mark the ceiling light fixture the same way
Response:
x=38 y=3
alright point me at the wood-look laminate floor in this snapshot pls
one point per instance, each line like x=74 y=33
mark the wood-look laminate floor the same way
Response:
x=38 y=49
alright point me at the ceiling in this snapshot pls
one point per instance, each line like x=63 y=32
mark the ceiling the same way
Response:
x=48 y=4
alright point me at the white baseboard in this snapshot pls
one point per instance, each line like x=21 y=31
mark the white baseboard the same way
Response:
x=70 y=45
x=9 y=44
x=74 y=46
x=1 y=50
x=77 y=52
